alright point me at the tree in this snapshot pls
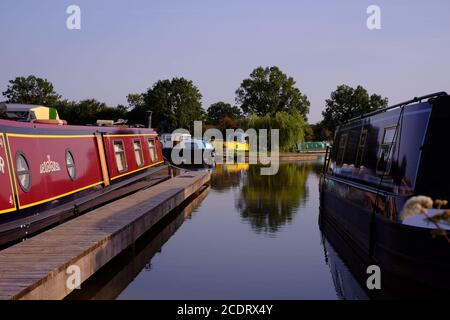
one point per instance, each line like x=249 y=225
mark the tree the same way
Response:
x=346 y=103
x=308 y=132
x=174 y=104
x=289 y=124
x=217 y=111
x=321 y=133
x=135 y=100
x=136 y=106
x=268 y=91
x=31 y=90
x=88 y=111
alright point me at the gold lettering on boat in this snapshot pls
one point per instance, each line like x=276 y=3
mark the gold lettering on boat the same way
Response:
x=49 y=166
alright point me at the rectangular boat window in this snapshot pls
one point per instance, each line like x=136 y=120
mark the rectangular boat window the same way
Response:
x=138 y=153
x=361 y=147
x=341 y=149
x=386 y=152
x=121 y=159
x=389 y=134
x=152 y=150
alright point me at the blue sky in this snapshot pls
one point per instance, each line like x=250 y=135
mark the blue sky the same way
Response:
x=124 y=47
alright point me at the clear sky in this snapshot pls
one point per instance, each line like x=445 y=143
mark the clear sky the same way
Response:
x=124 y=47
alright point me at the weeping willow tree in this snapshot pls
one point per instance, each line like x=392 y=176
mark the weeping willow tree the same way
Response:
x=291 y=125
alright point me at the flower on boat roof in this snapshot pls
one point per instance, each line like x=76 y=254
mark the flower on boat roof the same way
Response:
x=416 y=205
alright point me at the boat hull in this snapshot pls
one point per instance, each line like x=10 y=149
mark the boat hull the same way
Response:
x=407 y=251
x=188 y=157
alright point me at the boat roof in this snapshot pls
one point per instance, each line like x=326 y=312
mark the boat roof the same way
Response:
x=415 y=101
x=16 y=107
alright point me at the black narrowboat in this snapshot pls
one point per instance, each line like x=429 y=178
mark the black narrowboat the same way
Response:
x=377 y=163
x=50 y=171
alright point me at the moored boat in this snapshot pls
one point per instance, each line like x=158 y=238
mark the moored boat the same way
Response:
x=50 y=172
x=189 y=151
x=377 y=163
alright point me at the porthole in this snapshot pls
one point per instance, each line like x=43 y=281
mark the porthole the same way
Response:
x=23 y=172
x=70 y=164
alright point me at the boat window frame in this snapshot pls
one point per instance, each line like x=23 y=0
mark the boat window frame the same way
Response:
x=74 y=166
x=20 y=173
x=125 y=165
x=390 y=148
x=153 y=140
x=140 y=152
x=340 y=162
x=361 y=147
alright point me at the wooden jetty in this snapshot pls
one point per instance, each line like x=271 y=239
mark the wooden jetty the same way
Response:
x=39 y=267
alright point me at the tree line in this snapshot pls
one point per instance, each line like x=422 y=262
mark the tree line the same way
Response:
x=268 y=98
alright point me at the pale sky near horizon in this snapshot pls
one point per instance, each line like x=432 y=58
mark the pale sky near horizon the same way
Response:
x=126 y=46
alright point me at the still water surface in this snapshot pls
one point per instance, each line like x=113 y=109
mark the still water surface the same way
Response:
x=246 y=237
x=252 y=237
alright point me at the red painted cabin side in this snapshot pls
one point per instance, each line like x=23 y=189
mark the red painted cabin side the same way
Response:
x=41 y=163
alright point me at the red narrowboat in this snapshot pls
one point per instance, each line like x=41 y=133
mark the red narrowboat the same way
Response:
x=51 y=172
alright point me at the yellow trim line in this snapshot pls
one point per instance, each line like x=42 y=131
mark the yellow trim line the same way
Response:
x=59 y=196
x=127 y=173
x=48 y=136
x=8 y=210
x=77 y=136
x=15 y=191
x=6 y=146
x=15 y=187
x=130 y=135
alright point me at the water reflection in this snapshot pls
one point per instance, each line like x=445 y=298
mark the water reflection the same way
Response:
x=348 y=267
x=225 y=177
x=269 y=202
x=266 y=202
x=216 y=255
x=109 y=282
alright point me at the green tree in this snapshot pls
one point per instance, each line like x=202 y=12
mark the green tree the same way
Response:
x=268 y=91
x=321 y=133
x=88 y=111
x=137 y=110
x=346 y=103
x=31 y=90
x=290 y=125
x=135 y=100
x=174 y=104
x=308 y=132
x=219 y=110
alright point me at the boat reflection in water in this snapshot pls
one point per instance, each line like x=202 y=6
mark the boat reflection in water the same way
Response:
x=109 y=282
x=348 y=267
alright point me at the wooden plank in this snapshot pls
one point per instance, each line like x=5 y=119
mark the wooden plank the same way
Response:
x=36 y=268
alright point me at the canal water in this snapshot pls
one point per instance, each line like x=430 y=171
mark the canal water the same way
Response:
x=247 y=236
x=252 y=237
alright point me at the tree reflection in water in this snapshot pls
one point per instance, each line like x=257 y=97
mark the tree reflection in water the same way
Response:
x=225 y=177
x=269 y=202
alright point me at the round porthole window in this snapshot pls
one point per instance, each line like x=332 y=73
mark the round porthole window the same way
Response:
x=70 y=163
x=23 y=172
